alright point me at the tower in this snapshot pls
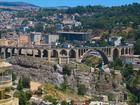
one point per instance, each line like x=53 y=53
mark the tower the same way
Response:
x=6 y=94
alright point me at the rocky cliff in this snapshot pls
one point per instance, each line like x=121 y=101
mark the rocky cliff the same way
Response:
x=96 y=82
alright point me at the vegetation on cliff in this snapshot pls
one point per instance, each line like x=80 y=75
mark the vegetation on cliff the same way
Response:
x=132 y=80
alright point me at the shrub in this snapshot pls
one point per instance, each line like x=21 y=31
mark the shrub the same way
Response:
x=82 y=89
x=66 y=70
x=26 y=82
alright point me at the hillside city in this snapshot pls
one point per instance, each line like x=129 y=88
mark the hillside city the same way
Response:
x=84 y=55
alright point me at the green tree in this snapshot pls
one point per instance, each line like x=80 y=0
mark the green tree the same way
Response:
x=66 y=70
x=28 y=94
x=14 y=76
x=21 y=95
x=51 y=99
x=64 y=86
x=102 y=43
x=20 y=85
x=81 y=89
x=64 y=103
x=127 y=71
x=132 y=99
x=137 y=47
x=22 y=98
x=26 y=82
x=25 y=22
x=39 y=27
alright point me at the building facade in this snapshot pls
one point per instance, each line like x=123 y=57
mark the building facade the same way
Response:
x=71 y=36
x=6 y=98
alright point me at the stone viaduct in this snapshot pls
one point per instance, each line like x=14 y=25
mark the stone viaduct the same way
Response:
x=65 y=55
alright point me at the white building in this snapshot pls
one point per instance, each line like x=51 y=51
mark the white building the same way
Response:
x=51 y=38
x=36 y=38
x=116 y=40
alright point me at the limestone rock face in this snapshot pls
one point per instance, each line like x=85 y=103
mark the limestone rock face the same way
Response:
x=95 y=81
x=37 y=69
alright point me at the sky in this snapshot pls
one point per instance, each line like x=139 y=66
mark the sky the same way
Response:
x=53 y=3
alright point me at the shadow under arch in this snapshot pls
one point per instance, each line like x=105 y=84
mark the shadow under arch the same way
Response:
x=45 y=53
x=72 y=53
x=63 y=52
x=104 y=57
x=38 y=53
x=7 y=54
x=54 y=54
x=20 y=51
x=102 y=54
x=115 y=54
x=122 y=51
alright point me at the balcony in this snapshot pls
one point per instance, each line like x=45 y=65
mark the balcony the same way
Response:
x=5 y=80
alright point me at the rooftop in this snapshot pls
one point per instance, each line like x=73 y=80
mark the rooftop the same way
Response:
x=4 y=64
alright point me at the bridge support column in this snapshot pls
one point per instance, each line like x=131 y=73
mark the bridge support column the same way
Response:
x=10 y=52
x=68 y=60
x=77 y=55
x=41 y=54
x=124 y=52
x=3 y=55
x=17 y=52
x=49 y=55
x=132 y=51
x=111 y=57
x=59 y=60
x=33 y=53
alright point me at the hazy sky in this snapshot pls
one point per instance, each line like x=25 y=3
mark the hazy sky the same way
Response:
x=52 y=3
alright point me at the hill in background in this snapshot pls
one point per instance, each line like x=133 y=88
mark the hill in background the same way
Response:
x=17 y=5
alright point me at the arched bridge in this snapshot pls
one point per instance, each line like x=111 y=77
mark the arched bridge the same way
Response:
x=65 y=55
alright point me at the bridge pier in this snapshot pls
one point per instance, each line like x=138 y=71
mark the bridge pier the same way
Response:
x=49 y=55
x=77 y=55
x=3 y=54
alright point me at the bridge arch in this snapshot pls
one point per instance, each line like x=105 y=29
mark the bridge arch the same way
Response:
x=115 y=54
x=102 y=54
x=126 y=51
x=20 y=51
x=130 y=51
x=54 y=54
x=7 y=53
x=13 y=51
x=63 y=52
x=72 y=53
x=122 y=51
x=45 y=53
x=37 y=53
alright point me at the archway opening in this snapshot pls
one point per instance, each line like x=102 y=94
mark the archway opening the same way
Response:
x=7 y=53
x=45 y=53
x=13 y=51
x=20 y=51
x=104 y=57
x=115 y=54
x=63 y=53
x=54 y=54
x=72 y=54
x=28 y=52
x=126 y=51
x=38 y=53
x=122 y=51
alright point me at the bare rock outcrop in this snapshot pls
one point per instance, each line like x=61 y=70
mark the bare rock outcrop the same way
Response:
x=96 y=82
